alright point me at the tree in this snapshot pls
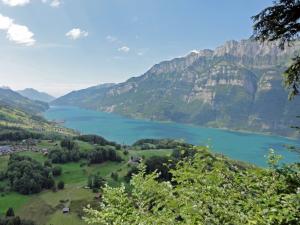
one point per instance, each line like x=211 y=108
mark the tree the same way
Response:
x=68 y=144
x=280 y=22
x=56 y=171
x=204 y=190
x=28 y=176
x=10 y=212
x=96 y=181
x=61 y=185
x=47 y=163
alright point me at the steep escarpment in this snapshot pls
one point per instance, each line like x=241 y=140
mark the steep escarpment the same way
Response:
x=237 y=86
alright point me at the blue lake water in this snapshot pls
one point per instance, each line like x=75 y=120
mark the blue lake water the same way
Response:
x=247 y=147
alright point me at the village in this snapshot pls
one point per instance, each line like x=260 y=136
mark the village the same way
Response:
x=8 y=148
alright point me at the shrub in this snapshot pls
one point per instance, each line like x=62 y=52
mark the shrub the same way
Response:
x=60 y=185
x=10 y=212
x=56 y=171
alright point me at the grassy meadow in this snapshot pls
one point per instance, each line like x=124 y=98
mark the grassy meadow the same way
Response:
x=45 y=208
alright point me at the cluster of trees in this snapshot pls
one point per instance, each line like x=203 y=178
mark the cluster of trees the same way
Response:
x=145 y=144
x=98 y=140
x=95 y=182
x=63 y=155
x=69 y=152
x=103 y=154
x=17 y=134
x=28 y=176
x=163 y=164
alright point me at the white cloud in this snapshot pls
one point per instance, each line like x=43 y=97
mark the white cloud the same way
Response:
x=5 y=22
x=19 y=34
x=76 y=33
x=55 y=3
x=16 y=2
x=110 y=38
x=124 y=49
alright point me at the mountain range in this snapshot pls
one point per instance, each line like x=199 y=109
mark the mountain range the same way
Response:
x=36 y=95
x=21 y=116
x=14 y=100
x=237 y=86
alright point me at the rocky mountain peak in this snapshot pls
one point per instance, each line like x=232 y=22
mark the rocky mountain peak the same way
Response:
x=252 y=48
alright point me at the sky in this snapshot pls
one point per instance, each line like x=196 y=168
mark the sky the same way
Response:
x=58 y=46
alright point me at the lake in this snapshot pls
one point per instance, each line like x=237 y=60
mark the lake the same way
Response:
x=243 y=146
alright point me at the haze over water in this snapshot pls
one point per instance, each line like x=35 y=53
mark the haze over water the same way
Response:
x=247 y=147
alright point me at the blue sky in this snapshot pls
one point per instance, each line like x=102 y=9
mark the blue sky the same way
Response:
x=61 y=45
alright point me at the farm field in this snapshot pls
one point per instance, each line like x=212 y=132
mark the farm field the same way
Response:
x=45 y=208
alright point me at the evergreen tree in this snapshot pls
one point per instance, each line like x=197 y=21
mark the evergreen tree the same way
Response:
x=10 y=212
x=60 y=185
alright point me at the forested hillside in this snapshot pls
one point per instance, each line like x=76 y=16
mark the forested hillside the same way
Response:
x=12 y=99
x=20 y=118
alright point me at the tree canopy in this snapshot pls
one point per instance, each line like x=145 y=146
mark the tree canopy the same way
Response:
x=205 y=190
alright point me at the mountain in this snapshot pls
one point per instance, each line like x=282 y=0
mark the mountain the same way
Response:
x=13 y=100
x=36 y=95
x=86 y=97
x=19 y=118
x=237 y=86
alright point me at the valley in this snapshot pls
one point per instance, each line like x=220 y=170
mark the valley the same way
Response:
x=236 y=86
x=46 y=207
x=149 y=112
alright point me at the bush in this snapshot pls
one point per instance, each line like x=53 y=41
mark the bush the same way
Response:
x=95 y=181
x=2 y=175
x=114 y=176
x=56 y=171
x=61 y=185
x=10 y=212
x=47 y=163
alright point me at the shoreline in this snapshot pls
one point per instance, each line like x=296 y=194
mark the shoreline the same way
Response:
x=185 y=124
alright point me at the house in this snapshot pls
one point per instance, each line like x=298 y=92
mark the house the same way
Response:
x=135 y=160
x=66 y=210
x=5 y=150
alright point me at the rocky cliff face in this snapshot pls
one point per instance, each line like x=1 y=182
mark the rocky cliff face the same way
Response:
x=238 y=86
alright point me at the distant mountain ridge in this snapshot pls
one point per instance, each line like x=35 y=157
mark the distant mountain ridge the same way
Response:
x=36 y=95
x=238 y=86
x=12 y=99
x=20 y=117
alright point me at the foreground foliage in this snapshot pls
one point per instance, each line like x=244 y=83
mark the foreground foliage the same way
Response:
x=205 y=189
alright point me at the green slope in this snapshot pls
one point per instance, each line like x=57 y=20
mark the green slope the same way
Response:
x=13 y=99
